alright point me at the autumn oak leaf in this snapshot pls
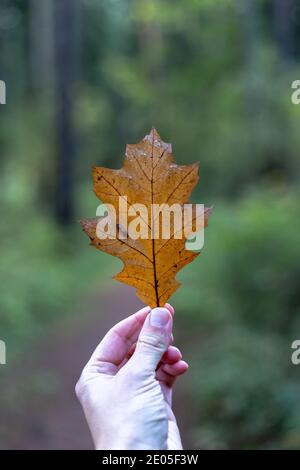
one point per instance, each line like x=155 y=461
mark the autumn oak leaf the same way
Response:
x=149 y=177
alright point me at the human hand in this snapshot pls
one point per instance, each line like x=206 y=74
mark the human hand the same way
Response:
x=126 y=387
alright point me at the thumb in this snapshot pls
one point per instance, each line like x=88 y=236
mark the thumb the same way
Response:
x=153 y=340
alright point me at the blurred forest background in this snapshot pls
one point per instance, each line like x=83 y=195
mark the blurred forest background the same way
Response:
x=85 y=77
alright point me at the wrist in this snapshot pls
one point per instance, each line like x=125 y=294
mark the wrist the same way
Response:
x=128 y=441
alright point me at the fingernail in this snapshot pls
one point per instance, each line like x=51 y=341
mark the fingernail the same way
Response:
x=159 y=317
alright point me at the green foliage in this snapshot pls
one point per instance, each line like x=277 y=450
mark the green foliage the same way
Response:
x=240 y=302
x=214 y=77
x=43 y=274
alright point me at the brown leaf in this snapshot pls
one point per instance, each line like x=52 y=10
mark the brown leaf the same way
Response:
x=149 y=176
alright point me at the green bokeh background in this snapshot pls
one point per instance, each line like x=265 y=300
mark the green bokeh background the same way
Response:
x=214 y=77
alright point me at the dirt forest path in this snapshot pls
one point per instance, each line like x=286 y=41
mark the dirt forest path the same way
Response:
x=46 y=414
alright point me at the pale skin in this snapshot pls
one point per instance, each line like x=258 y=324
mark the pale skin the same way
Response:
x=126 y=387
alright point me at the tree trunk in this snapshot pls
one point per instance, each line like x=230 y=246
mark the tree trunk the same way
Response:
x=41 y=46
x=284 y=26
x=65 y=55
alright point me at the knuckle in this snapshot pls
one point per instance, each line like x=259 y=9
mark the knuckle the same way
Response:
x=137 y=374
x=151 y=341
x=80 y=386
x=133 y=373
